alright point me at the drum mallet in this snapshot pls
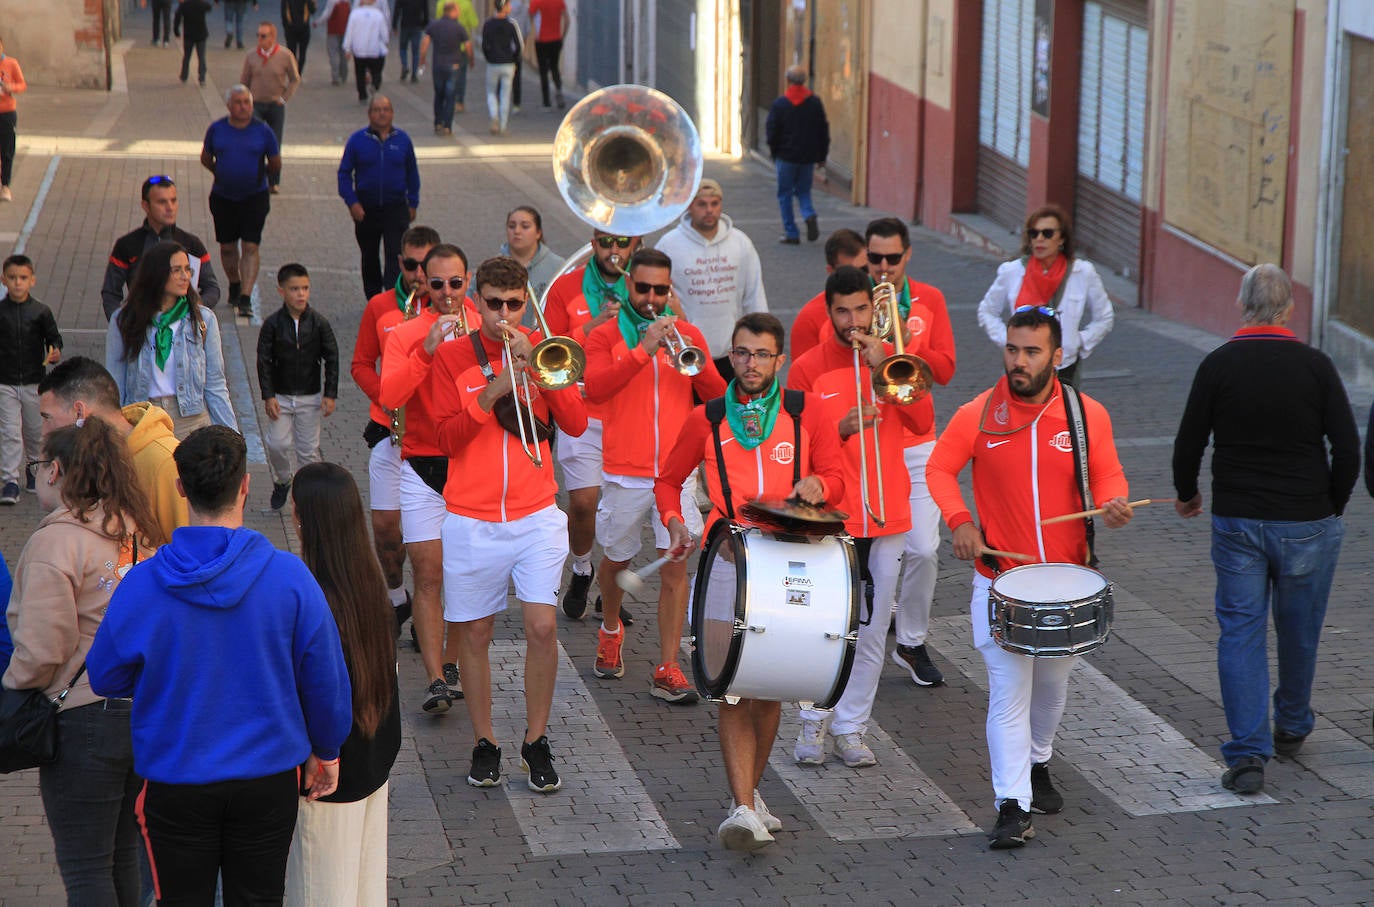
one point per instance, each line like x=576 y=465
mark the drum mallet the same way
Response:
x=632 y=581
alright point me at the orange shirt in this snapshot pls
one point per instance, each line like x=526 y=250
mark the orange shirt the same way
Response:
x=1021 y=476
x=810 y=327
x=762 y=473
x=381 y=315
x=14 y=83
x=405 y=380
x=489 y=476
x=645 y=400
x=828 y=371
x=568 y=315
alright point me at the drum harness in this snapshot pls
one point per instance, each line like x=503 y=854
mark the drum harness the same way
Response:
x=792 y=403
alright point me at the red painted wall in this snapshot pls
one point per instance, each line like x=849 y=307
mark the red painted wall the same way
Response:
x=894 y=116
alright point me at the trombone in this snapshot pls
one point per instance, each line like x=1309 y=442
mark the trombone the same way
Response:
x=557 y=362
x=529 y=440
x=878 y=516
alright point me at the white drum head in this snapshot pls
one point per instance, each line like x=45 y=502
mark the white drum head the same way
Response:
x=1049 y=583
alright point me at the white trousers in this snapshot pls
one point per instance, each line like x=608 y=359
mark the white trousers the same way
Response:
x=1026 y=698
x=338 y=854
x=21 y=430
x=296 y=430
x=851 y=713
x=921 y=559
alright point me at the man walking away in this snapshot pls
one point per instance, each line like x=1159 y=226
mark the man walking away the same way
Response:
x=799 y=139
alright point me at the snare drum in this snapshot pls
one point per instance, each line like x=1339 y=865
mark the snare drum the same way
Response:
x=774 y=617
x=1050 y=609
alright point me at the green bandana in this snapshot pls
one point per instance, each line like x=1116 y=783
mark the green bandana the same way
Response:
x=633 y=325
x=751 y=422
x=162 y=336
x=597 y=292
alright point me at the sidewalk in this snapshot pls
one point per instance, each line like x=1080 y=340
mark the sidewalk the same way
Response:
x=1146 y=822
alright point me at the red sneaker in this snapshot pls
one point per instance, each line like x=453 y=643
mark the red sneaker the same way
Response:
x=671 y=686
x=608 y=661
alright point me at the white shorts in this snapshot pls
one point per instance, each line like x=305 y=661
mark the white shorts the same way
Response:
x=580 y=457
x=384 y=476
x=422 y=508
x=531 y=551
x=620 y=518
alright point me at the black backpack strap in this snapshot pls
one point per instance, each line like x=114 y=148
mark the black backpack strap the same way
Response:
x=1078 y=435
x=715 y=414
x=482 y=361
x=793 y=401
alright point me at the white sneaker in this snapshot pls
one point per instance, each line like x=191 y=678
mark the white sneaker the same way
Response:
x=742 y=830
x=770 y=821
x=810 y=749
x=852 y=749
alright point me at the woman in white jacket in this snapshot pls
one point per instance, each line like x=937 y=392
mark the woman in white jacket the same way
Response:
x=1048 y=275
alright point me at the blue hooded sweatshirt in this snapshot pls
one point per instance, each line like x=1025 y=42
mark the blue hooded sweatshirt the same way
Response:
x=232 y=658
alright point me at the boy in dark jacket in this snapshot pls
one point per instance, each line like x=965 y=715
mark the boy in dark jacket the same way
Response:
x=189 y=23
x=292 y=344
x=29 y=339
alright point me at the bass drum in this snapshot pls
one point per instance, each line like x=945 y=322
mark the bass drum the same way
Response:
x=774 y=617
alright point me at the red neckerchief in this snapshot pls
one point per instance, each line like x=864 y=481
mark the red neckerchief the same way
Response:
x=1264 y=332
x=797 y=93
x=1003 y=410
x=1038 y=286
x=268 y=55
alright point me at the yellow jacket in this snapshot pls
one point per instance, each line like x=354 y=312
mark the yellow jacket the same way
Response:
x=151 y=444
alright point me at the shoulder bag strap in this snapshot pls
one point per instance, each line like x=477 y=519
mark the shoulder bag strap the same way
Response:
x=794 y=401
x=482 y=361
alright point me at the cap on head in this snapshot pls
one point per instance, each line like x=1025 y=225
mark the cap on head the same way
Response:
x=710 y=187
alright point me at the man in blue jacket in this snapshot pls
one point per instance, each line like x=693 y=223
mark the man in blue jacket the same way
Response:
x=799 y=139
x=224 y=772
x=379 y=181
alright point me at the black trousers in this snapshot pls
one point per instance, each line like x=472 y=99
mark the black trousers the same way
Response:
x=240 y=830
x=297 y=40
x=8 y=124
x=381 y=226
x=365 y=68
x=548 y=53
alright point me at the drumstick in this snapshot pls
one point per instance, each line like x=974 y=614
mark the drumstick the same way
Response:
x=1087 y=513
x=632 y=581
x=1007 y=554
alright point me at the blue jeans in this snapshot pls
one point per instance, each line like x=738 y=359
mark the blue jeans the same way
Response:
x=1285 y=568
x=794 y=179
x=460 y=84
x=500 y=78
x=410 y=40
x=234 y=11
x=89 y=795
x=445 y=94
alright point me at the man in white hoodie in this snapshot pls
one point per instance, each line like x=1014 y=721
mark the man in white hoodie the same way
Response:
x=365 y=40
x=716 y=272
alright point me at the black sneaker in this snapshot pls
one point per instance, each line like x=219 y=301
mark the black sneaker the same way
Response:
x=10 y=495
x=536 y=759
x=438 y=699
x=626 y=617
x=813 y=229
x=1285 y=744
x=486 y=764
x=1045 y=800
x=244 y=306
x=402 y=612
x=1246 y=776
x=575 y=599
x=918 y=664
x=234 y=291
x=452 y=681
x=279 y=492
x=1013 y=827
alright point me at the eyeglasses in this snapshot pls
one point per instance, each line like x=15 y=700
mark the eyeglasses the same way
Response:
x=180 y=270
x=1047 y=233
x=1042 y=309
x=623 y=242
x=495 y=303
x=34 y=465
x=892 y=258
x=264 y=34
x=411 y=264
x=658 y=289
x=763 y=357
x=454 y=283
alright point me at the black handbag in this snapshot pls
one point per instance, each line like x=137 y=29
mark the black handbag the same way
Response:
x=28 y=727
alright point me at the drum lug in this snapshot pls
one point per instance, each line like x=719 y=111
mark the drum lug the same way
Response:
x=847 y=637
x=741 y=626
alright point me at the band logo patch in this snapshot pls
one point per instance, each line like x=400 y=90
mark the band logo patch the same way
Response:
x=1002 y=414
x=916 y=325
x=1062 y=441
x=783 y=452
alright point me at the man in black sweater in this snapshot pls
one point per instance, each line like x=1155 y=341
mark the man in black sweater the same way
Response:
x=799 y=139
x=1271 y=405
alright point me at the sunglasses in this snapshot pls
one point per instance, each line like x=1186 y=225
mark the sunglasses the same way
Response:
x=1047 y=233
x=160 y=181
x=892 y=258
x=496 y=303
x=1042 y=309
x=622 y=242
x=658 y=289
x=454 y=283
x=411 y=264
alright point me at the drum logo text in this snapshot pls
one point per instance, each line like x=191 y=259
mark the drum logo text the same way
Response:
x=1062 y=442
x=783 y=453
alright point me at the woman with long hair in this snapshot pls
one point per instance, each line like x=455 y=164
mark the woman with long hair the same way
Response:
x=163 y=345
x=338 y=854
x=99 y=524
x=525 y=243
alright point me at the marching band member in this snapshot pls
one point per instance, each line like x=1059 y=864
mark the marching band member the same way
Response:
x=930 y=337
x=406 y=364
x=829 y=370
x=764 y=456
x=1018 y=436
x=811 y=327
x=383 y=312
x=644 y=402
x=578 y=303
x=500 y=514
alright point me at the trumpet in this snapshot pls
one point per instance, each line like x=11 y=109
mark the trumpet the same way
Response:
x=901 y=378
x=398 y=415
x=687 y=360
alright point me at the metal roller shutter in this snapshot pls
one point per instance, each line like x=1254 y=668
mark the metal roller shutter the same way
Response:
x=1004 y=110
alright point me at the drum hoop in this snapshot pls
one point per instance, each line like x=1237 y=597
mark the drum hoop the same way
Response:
x=722 y=533
x=847 y=664
x=1068 y=602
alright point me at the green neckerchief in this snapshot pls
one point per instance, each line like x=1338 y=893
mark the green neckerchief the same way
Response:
x=596 y=291
x=402 y=293
x=903 y=298
x=751 y=422
x=633 y=325
x=162 y=336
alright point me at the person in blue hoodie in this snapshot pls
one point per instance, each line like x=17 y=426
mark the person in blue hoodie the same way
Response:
x=220 y=604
